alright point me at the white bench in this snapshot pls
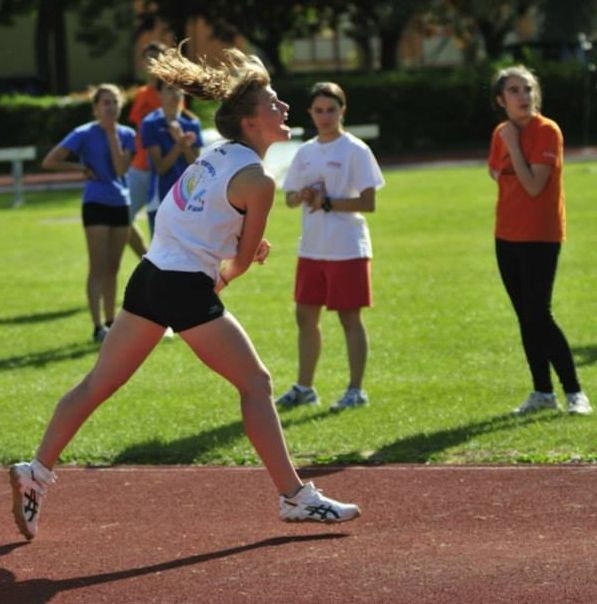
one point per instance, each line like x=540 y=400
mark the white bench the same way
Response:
x=280 y=155
x=367 y=132
x=364 y=131
x=17 y=155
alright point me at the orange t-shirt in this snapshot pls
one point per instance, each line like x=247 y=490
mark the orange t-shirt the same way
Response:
x=146 y=100
x=519 y=216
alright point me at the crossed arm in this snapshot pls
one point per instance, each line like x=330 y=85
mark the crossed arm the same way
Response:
x=314 y=197
x=57 y=158
x=532 y=177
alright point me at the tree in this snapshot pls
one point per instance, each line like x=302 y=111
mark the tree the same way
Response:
x=264 y=23
x=564 y=23
x=386 y=19
x=96 y=32
x=473 y=21
x=50 y=41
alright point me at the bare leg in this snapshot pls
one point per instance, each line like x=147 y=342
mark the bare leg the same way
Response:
x=356 y=343
x=309 y=341
x=224 y=347
x=126 y=346
x=136 y=242
x=97 y=238
x=117 y=239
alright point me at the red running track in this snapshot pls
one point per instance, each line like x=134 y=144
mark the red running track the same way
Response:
x=441 y=534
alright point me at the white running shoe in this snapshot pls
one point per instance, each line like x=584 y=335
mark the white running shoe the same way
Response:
x=536 y=402
x=352 y=398
x=29 y=482
x=578 y=403
x=298 y=396
x=309 y=505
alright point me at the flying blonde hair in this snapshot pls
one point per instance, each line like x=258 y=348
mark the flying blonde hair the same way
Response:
x=234 y=81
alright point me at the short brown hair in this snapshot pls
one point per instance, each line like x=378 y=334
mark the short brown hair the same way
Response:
x=155 y=47
x=97 y=91
x=329 y=89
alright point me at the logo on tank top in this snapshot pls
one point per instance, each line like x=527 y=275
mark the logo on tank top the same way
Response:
x=188 y=193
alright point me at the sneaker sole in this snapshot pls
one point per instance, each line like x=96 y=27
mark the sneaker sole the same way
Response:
x=16 y=505
x=577 y=412
x=536 y=410
x=331 y=521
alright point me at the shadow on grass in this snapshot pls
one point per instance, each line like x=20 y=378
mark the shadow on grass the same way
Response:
x=41 y=317
x=420 y=448
x=186 y=450
x=45 y=590
x=45 y=357
x=586 y=355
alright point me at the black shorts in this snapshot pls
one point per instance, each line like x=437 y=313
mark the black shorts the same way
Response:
x=175 y=299
x=95 y=214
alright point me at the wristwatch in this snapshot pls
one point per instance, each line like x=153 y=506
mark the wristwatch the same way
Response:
x=326 y=206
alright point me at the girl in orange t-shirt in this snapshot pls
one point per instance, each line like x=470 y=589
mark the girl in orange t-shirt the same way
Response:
x=526 y=161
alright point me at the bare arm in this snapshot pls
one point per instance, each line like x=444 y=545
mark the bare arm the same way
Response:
x=163 y=163
x=183 y=145
x=121 y=159
x=305 y=195
x=365 y=202
x=532 y=177
x=293 y=199
x=190 y=152
x=253 y=191
x=57 y=159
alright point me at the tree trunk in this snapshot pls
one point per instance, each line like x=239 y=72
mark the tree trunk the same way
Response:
x=42 y=49
x=60 y=50
x=365 y=52
x=50 y=47
x=389 y=50
x=493 y=38
x=271 y=48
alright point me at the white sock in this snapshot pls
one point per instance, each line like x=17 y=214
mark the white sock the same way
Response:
x=42 y=474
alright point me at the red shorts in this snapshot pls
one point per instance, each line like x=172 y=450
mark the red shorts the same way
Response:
x=336 y=284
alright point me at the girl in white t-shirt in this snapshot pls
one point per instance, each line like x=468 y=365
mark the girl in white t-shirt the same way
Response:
x=333 y=177
x=209 y=230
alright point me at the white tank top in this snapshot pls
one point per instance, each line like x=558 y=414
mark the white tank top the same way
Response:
x=196 y=225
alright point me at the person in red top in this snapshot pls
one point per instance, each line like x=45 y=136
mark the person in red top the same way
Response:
x=526 y=159
x=147 y=99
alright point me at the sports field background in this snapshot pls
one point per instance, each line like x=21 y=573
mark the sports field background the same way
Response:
x=446 y=366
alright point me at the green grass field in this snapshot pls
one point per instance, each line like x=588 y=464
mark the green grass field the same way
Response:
x=445 y=368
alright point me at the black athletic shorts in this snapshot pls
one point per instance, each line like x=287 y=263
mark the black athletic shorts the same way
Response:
x=95 y=214
x=175 y=299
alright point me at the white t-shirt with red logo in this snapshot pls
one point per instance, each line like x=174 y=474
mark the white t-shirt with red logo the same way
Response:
x=347 y=167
